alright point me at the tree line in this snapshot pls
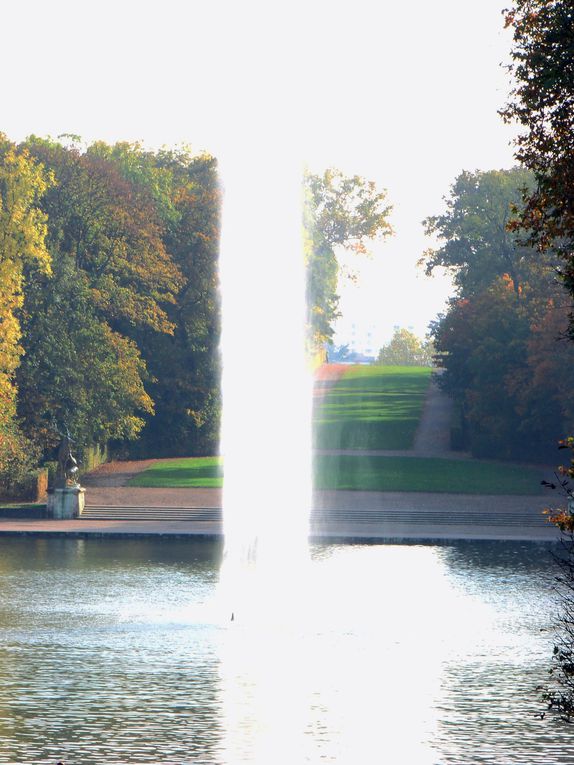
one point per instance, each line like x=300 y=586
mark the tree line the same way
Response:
x=502 y=342
x=508 y=239
x=109 y=301
x=109 y=310
x=542 y=103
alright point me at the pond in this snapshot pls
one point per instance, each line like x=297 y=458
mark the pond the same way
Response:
x=113 y=651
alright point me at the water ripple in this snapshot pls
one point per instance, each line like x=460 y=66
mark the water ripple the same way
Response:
x=109 y=652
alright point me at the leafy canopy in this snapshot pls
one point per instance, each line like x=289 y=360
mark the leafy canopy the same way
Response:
x=406 y=349
x=475 y=243
x=22 y=241
x=542 y=103
x=340 y=212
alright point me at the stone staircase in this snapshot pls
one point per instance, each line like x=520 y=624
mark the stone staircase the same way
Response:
x=433 y=518
x=110 y=513
x=508 y=519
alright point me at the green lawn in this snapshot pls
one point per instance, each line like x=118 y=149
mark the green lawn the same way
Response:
x=369 y=408
x=198 y=472
x=372 y=407
x=366 y=473
x=6 y=504
x=424 y=474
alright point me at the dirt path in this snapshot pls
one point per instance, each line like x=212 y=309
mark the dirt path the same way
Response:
x=137 y=496
x=108 y=485
x=115 y=474
x=432 y=438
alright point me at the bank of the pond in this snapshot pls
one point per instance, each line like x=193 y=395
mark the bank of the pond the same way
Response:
x=337 y=516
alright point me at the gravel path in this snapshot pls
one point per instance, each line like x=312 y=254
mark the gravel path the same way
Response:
x=118 y=496
x=114 y=474
x=432 y=438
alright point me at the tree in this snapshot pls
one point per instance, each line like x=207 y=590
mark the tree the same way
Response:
x=134 y=239
x=22 y=241
x=542 y=103
x=489 y=341
x=559 y=693
x=112 y=275
x=109 y=228
x=340 y=212
x=406 y=349
x=543 y=390
x=187 y=400
x=77 y=371
x=109 y=297
x=508 y=368
x=477 y=246
x=481 y=343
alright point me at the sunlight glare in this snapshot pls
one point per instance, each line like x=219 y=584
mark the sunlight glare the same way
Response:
x=266 y=442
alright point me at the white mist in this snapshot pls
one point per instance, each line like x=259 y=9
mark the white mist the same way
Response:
x=266 y=429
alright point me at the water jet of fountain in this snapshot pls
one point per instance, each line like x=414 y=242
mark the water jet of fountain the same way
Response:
x=266 y=381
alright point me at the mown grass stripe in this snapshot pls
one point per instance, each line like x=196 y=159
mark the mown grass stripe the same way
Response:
x=372 y=407
x=366 y=473
x=419 y=474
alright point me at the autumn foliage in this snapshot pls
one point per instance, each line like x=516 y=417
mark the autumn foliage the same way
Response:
x=22 y=242
x=108 y=266
x=502 y=341
x=542 y=105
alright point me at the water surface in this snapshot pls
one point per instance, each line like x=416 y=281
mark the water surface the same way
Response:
x=117 y=651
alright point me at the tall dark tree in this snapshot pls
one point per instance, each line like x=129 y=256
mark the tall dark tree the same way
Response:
x=183 y=190
x=188 y=404
x=542 y=102
x=482 y=344
x=111 y=275
x=489 y=340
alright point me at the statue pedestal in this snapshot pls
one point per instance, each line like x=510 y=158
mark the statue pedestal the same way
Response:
x=66 y=503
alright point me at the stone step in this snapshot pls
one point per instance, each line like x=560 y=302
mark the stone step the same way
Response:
x=92 y=513
x=212 y=514
x=463 y=519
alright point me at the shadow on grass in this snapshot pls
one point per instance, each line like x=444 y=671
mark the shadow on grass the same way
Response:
x=372 y=408
x=413 y=474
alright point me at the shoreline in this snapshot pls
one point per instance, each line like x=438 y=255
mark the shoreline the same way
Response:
x=334 y=532
x=336 y=517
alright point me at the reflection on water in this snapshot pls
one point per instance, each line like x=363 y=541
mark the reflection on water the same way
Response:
x=116 y=651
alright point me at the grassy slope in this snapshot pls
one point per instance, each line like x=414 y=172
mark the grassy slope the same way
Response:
x=184 y=473
x=366 y=473
x=372 y=408
x=368 y=408
x=422 y=474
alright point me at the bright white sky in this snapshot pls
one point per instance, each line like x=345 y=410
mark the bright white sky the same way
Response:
x=404 y=94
